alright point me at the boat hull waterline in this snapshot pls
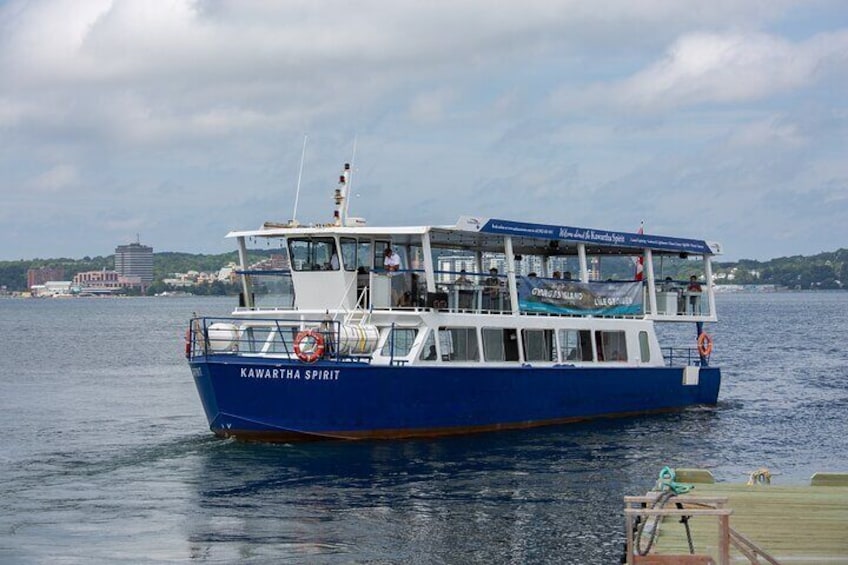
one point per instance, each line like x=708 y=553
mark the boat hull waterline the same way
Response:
x=280 y=400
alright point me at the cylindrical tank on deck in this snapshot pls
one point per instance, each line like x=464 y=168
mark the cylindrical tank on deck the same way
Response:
x=223 y=337
x=358 y=340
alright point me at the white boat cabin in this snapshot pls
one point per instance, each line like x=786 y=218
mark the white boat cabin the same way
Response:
x=483 y=290
x=482 y=266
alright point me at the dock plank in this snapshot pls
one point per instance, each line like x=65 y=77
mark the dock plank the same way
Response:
x=794 y=524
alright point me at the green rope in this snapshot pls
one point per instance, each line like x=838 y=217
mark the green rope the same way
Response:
x=666 y=482
x=668 y=488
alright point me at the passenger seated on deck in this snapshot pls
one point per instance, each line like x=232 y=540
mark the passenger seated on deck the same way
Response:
x=668 y=285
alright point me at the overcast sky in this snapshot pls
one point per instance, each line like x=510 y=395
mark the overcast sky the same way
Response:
x=178 y=121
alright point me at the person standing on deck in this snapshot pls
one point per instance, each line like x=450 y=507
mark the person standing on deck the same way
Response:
x=694 y=292
x=694 y=285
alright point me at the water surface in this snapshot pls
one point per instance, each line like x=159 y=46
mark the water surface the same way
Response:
x=106 y=455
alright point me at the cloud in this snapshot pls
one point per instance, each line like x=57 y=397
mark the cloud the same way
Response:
x=431 y=106
x=57 y=179
x=718 y=68
x=732 y=68
x=185 y=118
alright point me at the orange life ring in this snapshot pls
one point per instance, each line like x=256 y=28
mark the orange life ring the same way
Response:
x=705 y=344
x=309 y=346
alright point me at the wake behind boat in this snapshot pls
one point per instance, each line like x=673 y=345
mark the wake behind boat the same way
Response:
x=350 y=331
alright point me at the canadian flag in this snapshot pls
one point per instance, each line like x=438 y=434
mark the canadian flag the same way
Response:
x=638 y=261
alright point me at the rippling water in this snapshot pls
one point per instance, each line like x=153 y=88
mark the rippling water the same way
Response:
x=106 y=455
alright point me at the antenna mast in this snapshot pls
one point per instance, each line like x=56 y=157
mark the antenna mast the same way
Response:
x=340 y=197
x=349 y=172
x=342 y=194
x=299 y=177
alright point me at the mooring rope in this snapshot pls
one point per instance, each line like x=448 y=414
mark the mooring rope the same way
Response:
x=761 y=476
x=668 y=489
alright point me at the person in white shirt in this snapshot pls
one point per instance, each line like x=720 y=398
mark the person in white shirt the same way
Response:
x=391 y=260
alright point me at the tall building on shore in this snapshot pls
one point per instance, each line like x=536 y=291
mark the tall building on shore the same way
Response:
x=135 y=260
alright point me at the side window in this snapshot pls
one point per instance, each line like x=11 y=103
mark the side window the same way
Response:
x=415 y=260
x=611 y=346
x=644 y=347
x=539 y=345
x=493 y=344
x=428 y=352
x=363 y=255
x=349 y=247
x=459 y=344
x=399 y=342
x=379 y=249
x=576 y=345
x=500 y=344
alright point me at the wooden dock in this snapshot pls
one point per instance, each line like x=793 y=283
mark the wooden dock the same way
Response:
x=759 y=523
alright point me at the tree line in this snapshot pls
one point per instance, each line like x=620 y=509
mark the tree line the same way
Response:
x=823 y=271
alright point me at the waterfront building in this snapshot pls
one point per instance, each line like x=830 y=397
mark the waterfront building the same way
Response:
x=97 y=280
x=52 y=288
x=135 y=260
x=41 y=275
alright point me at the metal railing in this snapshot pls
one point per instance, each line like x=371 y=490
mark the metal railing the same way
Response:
x=683 y=356
x=261 y=337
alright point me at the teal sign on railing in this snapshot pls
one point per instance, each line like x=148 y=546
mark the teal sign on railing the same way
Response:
x=573 y=297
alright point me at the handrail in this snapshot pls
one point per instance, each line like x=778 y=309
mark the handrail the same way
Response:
x=749 y=549
x=244 y=340
x=341 y=305
x=688 y=356
x=710 y=507
x=696 y=506
x=263 y=272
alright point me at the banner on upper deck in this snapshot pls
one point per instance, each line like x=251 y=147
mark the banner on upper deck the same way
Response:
x=573 y=297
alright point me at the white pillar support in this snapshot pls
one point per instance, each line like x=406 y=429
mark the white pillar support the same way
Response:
x=708 y=274
x=510 y=275
x=245 y=280
x=429 y=276
x=648 y=270
x=584 y=266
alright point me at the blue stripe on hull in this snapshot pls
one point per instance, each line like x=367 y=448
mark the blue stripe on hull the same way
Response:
x=281 y=401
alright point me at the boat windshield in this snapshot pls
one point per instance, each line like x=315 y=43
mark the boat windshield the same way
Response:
x=313 y=254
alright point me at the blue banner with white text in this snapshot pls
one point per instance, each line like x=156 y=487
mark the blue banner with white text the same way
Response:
x=603 y=238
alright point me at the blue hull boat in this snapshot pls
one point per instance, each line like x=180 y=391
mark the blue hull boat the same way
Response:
x=269 y=401
x=348 y=331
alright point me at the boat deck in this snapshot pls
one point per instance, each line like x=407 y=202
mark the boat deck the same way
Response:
x=789 y=524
